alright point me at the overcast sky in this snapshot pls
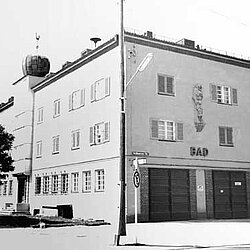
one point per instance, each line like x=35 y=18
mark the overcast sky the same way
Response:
x=65 y=27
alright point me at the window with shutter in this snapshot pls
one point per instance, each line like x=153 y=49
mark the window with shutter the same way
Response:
x=165 y=84
x=77 y=99
x=225 y=136
x=224 y=94
x=100 y=89
x=166 y=130
x=99 y=133
x=75 y=139
x=40 y=115
x=55 y=141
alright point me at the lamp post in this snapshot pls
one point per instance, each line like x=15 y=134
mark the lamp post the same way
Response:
x=123 y=86
x=144 y=63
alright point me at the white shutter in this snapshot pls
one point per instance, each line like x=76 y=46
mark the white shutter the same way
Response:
x=234 y=96
x=213 y=89
x=92 y=135
x=70 y=102
x=106 y=131
x=82 y=101
x=179 y=131
x=107 y=86
x=92 y=92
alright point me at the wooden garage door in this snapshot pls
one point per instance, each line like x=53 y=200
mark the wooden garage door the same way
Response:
x=230 y=200
x=169 y=194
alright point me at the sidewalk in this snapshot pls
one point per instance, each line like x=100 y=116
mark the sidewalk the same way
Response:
x=188 y=235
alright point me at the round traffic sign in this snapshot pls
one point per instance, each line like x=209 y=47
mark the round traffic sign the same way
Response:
x=136 y=178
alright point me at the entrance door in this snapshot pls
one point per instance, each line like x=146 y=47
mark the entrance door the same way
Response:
x=169 y=194
x=230 y=200
x=21 y=194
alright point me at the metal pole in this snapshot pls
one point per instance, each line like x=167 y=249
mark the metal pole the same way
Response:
x=122 y=222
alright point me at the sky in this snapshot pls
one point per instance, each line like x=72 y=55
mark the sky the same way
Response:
x=66 y=26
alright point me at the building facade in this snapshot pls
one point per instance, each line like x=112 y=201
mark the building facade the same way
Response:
x=187 y=116
x=16 y=115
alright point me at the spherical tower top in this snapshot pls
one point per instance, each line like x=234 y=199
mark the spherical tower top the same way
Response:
x=36 y=65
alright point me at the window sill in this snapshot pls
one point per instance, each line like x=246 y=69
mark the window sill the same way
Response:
x=70 y=110
x=76 y=148
x=37 y=157
x=55 y=153
x=86 y=192
x=99 y=191
x=101 y=143
x=55 y=116
x=65 y=193
x=166 y=94
x=166 y=140
x=227 y=145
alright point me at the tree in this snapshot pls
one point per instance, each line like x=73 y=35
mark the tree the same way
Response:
x=6 y=161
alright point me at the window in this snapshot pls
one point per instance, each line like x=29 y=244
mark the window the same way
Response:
x=46 y=184
x=224 y=94
x=99 y=180
x=5 y=188
x=166 y=130
x=54 y=184
x=64 y=183
x=77 y=99
x=86 y=181
x=10 y=187
x=38 y=185
x=165 y=85
x=39 y=149
x=75 y=139
x=55 y=149
x=74 y=178
x=100 y=89
x=40 y=115
x=57 y=108
x=226 y=136
x=99 y=133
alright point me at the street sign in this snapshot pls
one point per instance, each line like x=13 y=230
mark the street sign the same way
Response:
x=138 y=153
x=136 y=178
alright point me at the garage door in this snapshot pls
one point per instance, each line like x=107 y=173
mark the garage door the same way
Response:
x=230 y=199
x=169 y=194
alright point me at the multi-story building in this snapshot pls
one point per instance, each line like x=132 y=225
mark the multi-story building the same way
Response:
x=16 y=115
x=186 y=114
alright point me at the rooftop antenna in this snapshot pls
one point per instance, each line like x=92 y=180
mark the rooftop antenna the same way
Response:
x=37 y=42
x=95 y=40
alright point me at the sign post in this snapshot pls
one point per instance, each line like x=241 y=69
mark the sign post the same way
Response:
x=136 y=180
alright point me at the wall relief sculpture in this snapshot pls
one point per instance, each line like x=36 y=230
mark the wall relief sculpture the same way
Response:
x=198 y=109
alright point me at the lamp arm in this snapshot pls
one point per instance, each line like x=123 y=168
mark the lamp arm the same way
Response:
x=132 y=78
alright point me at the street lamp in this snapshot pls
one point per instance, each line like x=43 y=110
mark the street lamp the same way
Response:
x=144 y=63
